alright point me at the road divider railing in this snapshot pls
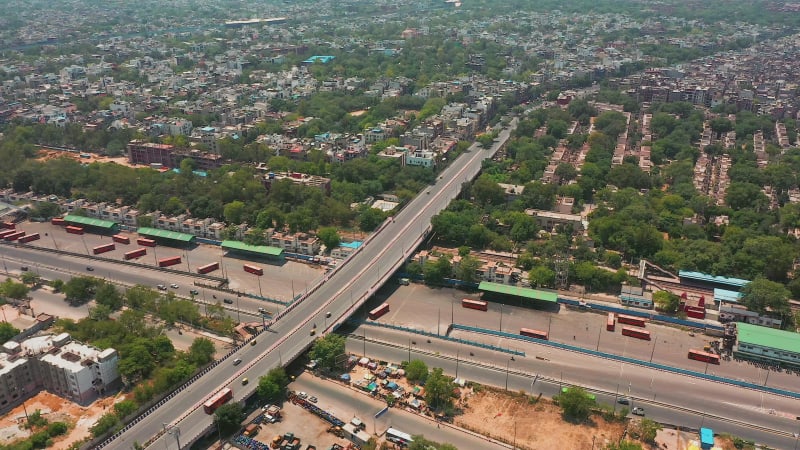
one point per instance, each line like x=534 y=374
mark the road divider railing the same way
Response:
x=440 y=336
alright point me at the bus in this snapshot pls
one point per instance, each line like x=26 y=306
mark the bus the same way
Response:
x=74 y=230
x=166 y=262
x=379 y=311
x=146 y=242
x=611 y=322
x=208 y=268
x=534 y=333
x=58 y=221
x=631 y=320
x=635 y=332
x=8 y=225
x=255 y=270
x=398 y=437
x=14 y=236
x=700 y=355
x=5 y=233
x=135 y=253
x=564 y=390
x=103 y=248
x=475 y=304
x=217 y=400
x=121 y=239
x=29 y=237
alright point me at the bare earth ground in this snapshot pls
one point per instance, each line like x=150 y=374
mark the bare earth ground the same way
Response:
x=55 y=409
x=538 y=426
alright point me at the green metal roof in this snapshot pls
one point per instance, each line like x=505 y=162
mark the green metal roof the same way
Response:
x=165 y=234
x=90 y=221
x=533 y=294
x=259 y=249
x=768 y=337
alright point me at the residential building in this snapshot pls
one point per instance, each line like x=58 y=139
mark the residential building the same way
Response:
x=67 y=368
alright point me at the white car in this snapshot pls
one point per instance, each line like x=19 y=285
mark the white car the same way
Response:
x=637 y=411
x=302 y=395
x=173 y=286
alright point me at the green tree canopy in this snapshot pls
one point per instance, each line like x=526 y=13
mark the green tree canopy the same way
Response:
x=762 y=295
x=328 y=349
x=272 y=386
x=416 y=371
x=576 y=404
x=439 y=390
x=229 y=417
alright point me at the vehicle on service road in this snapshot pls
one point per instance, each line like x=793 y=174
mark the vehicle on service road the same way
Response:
x=637 y=411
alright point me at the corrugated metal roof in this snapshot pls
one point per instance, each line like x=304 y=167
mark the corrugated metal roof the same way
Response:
x=166 y=234
x=259 y=249
x=80 y=220
x=725 y=295
x=738 y=282
x=534 y=294
x=768 y=337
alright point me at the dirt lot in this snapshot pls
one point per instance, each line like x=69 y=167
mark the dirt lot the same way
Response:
x=538 y=426
x=54 y=409
x=308 y=427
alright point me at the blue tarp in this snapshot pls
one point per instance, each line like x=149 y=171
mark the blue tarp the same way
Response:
x=391 y=385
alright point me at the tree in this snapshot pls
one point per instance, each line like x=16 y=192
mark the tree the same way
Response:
x=541 y=276
x=666 y=301
x=79 y=290
x=416 y=371
x=330 y=237
x=439 y=390
x=576 y=404
x=30 y=278
x=435 y=271
x=488 y=192
x=228 y=417
x=467 y=269
x=762 y=295
x=124 y=408
x=369 y=219
x=108 y=295
x=201 y=351
x=234 y=212
x=7 y=331
x=646 y=430
x=272 y=386
x=566 y=172
x=12 y=289
x=106 y=422
x=328 y=349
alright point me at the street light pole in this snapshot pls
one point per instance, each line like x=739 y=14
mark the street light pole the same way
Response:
x=655 y=341
x=501 y=317
x=508 y=364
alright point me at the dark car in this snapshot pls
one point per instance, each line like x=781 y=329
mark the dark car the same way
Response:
x=228 y=301
x=90 y=268
x=624 y=401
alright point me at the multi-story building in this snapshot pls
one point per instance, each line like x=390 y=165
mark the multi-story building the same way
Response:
x=148 y=153
x=70 y=369
x=324 y=184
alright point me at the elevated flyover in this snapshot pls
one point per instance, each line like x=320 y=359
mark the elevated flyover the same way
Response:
x=340 y=292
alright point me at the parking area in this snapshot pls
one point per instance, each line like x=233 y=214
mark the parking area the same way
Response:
x=431 y=309
x=311 y=430
x=279 y=281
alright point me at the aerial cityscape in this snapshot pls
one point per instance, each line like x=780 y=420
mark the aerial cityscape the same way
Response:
x=331 y=225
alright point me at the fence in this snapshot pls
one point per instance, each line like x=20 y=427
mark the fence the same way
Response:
x=443 y=337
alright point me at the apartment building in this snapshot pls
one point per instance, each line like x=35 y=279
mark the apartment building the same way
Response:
x=67 y=368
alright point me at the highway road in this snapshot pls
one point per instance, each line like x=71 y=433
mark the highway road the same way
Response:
x=700 y=401
x=340 y=294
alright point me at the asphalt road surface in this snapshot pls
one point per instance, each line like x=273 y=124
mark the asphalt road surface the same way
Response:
x=361 y=275
x=700 y=402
